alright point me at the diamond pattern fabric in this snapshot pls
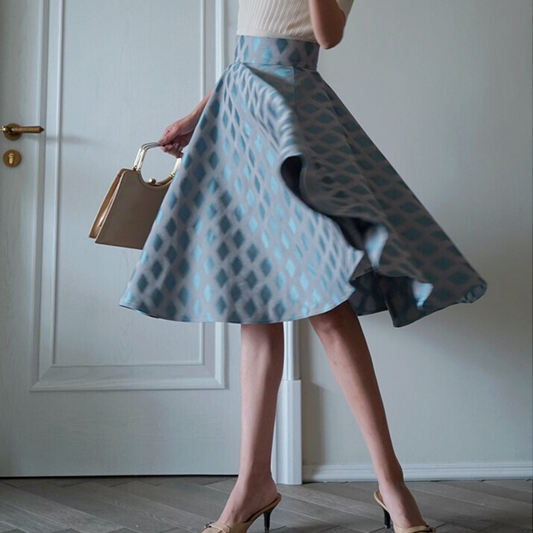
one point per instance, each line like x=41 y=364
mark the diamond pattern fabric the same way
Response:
x=283 y=208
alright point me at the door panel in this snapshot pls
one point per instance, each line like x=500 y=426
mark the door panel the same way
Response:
x=88 y=387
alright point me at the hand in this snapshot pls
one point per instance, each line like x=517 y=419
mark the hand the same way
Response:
x=177 y=135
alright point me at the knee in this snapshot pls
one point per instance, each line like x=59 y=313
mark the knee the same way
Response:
x=332 y=323
x=262 y=334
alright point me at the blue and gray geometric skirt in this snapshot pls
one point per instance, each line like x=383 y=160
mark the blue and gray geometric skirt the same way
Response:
x=284 y=208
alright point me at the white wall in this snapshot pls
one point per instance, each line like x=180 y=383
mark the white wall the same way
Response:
x=444 y=88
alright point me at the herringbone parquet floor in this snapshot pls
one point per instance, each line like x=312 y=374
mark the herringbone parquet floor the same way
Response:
x=179 y=504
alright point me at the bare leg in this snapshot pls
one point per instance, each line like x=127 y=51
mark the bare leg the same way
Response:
x=261 y=371
x=341 y=335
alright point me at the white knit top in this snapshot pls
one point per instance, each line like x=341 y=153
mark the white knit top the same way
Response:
x=279 y=18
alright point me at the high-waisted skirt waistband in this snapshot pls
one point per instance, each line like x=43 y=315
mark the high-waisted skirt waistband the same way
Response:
x=276 y=51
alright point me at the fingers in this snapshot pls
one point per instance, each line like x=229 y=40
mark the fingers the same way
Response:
x=174 y=149
x=173 y=139
x=168 y=134
x=165 y=137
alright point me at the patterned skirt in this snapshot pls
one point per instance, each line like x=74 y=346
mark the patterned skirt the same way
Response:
x=284 y=208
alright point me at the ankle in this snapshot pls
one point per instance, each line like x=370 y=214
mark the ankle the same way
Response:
x=393 y=487
x=392 y=482
x=246 y=479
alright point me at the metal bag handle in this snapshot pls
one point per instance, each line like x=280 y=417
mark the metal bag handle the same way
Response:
x=140 y=159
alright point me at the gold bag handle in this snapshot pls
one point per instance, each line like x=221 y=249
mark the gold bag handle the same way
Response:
x=138 y=163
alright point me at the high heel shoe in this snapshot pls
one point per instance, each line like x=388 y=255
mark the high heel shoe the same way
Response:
x=397 y=529
x=242 y=527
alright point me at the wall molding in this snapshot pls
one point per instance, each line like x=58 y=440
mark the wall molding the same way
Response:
x=208 y=369
x=422 y=472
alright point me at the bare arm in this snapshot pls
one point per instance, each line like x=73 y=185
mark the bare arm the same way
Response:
x=328 y=21
x=179 y=133
x=197 y=111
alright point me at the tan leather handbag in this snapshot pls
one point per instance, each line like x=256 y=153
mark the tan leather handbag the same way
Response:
x=130 y=206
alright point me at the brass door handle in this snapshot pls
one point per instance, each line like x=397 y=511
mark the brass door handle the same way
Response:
x=14 y=131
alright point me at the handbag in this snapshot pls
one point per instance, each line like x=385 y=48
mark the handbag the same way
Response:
x=130 y=206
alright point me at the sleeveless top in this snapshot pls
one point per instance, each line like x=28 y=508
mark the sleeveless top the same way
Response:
x=279 y=18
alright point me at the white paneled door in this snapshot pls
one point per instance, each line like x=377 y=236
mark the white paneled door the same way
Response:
x=88 y=387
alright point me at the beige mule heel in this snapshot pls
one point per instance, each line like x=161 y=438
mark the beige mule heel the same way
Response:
x=397 y=529
x=242 y=527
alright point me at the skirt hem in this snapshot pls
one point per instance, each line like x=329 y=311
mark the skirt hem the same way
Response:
x=199 y=319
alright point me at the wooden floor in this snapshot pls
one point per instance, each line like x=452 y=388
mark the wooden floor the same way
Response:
x=176 y=504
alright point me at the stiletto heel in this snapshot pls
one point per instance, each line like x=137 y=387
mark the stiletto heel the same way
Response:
x=242 y=527
x=267 y=519
x=426 y=528
x=386 y=518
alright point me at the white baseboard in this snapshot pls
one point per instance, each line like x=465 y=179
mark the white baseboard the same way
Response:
x=422 y=472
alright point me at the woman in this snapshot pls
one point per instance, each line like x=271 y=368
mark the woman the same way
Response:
x=283 y=208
